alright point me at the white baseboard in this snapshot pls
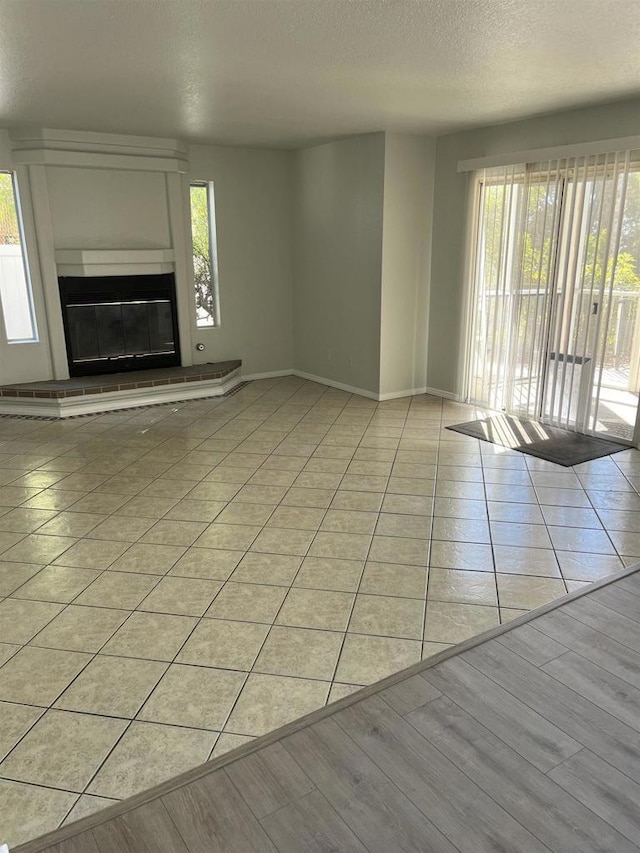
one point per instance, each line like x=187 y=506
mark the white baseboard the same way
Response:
x=395 y=395
x=270 y=374
x=447 y=395
x=371 y=395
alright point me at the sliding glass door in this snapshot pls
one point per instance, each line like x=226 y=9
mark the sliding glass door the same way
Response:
x=554 y=320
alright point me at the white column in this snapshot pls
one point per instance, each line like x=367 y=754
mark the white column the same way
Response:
x=48 y=270
x=183 y=271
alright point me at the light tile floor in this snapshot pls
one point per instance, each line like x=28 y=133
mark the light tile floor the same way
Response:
x=179 y=579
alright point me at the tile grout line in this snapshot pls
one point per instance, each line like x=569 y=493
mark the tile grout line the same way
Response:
x=430 y=545
x=491 y=542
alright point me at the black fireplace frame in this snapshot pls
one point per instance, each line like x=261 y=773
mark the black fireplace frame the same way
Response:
x=77 y=290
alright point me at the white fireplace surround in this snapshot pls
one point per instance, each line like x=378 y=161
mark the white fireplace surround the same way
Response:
x=84 y=164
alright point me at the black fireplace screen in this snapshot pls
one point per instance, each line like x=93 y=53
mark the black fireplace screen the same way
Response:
x=119 y=323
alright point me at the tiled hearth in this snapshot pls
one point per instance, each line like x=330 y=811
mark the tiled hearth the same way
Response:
x=60 y=397
x=180 y=579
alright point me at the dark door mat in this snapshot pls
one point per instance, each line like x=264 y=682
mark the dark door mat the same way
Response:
x=551 y=443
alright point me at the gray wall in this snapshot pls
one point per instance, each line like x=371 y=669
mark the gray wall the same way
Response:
x=253 y=193
x=406 y=247
x=5 y=150
x=449 y=231
x=338 y=209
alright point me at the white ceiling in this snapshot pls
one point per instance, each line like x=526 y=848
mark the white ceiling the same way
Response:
x=291 y=72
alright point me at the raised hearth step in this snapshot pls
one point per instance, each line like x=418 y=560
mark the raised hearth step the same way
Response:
x=64 y=398
x=56 y=389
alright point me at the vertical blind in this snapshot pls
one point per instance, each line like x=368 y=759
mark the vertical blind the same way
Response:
x=545 y=281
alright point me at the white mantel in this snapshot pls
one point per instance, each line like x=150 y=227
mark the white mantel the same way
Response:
x=97 y=150
x=103 y=262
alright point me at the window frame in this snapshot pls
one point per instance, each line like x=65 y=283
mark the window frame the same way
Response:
x=35 y=337
x=213 y=254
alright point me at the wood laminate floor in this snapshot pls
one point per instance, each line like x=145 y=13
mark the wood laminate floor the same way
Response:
x=526 y=740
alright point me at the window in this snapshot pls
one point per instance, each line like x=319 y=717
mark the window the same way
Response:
x=555 y=311
x=205 y=255
x=15 y=287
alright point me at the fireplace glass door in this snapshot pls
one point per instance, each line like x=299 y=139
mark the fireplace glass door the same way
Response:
x=118 y=323
x=120 y=330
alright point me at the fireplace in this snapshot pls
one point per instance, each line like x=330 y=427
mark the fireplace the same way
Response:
x=119 y=323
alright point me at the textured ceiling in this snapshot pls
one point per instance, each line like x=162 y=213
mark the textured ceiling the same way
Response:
x=290 y=72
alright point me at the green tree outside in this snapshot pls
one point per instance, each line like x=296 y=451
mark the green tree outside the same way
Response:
x=202 y=254
x=9 y=230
